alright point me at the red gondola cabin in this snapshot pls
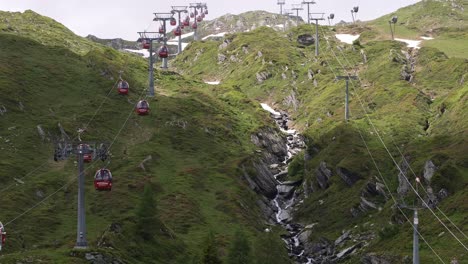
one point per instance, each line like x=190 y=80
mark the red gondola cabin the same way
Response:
x=87 y=157
x=145 y=43
x=194 y=25
x=173 y=22
x=163 y=52
x=103 y=180
x=202 y=15
x=177 y=31
x=186 y=22
x=142 y=108
x=206 y=12
x=192 y=15
x=162 y=30
x=123 y=87
x=199 y=19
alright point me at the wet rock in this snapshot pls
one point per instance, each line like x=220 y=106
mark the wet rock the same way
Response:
x=285 y=190
x=323 y=175
x=267 y=209
x=348 y=177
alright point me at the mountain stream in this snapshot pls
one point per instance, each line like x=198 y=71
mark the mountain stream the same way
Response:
x=287 y=199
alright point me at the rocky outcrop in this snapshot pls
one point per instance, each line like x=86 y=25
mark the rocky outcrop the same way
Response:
x=429 y=170
x=373 y=258
x=403 y=186
x=323 y=175
x=348 y=177
x=291 y=101
x=263 y=181
x=221 y=58
x=262 y=76
x=272 y=144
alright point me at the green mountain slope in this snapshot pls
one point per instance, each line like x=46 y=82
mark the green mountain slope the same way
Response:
x=197 y=145
x=195 y=142
x=445 y=21
x=410 y=116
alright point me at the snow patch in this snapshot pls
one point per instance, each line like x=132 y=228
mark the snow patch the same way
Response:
x=347 y=38
x=145 y=52
x=183 y=36
x=427 y=38
x=410 y=43
x=213 y=83
x=279 y=26
x=269 y=109
x=215 y=35
x=176 y=43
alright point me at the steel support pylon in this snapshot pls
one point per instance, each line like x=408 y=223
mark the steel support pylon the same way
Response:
x=81 y=242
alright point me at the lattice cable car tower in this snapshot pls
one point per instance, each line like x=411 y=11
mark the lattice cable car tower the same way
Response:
x=179 y=10
x=164 y=17
x=297 y=8
x=198 y=17
x=316 y=17
x=308 y=3
x=281 y=3
x=147 y=39
x=84 y=151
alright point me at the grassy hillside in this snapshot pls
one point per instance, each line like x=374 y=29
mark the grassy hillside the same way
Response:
x=444 y=20
x=411 y=117
x=196 y=142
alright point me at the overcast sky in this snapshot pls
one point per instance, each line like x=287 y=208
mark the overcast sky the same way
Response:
x=123 y=18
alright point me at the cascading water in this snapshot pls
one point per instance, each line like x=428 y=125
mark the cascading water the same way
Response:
x=287 y=199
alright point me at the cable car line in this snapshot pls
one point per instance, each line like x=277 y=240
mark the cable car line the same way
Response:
x=456 y=227
x=375 y=164
x=389 y=153
x=75 y=178
x=425 y=191
x=76 y=137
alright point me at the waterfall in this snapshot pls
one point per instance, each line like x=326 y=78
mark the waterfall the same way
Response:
x=286 y=198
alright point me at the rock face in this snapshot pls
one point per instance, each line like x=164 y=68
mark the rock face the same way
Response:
x=403 y=185
x=263 y=181
x=272 y=144
x=374 y=259
x=323 y=174
x=348 y=177
x=262 y=76
x=429 y=170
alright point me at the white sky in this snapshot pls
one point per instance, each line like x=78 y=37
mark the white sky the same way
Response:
x=123 y=18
